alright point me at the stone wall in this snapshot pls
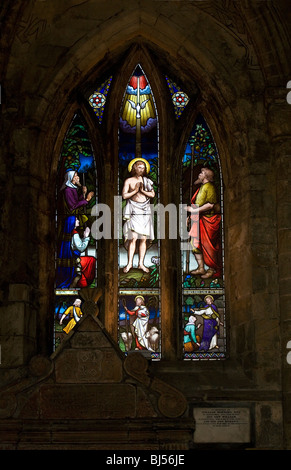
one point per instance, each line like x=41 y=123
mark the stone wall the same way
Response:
x=236 y=73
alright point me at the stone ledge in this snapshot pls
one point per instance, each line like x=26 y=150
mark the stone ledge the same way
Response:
x=146 y=434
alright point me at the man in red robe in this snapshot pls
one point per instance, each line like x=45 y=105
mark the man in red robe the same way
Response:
x=206 y=244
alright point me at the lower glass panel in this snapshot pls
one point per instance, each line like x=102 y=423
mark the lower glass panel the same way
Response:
x=68 y=311
x=204 y=324
x=139 y=322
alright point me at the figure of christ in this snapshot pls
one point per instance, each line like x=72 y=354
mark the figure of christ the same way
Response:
x=206 y=244
x=140 y=324
x=138 y=192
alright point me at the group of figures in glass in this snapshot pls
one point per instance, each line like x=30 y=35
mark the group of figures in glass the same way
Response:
x=139 y=322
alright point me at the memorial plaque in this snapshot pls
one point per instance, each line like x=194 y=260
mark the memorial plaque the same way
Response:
x=219 y=425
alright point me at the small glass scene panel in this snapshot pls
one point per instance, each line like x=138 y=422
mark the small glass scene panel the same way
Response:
x=204 y=329
x=139 y=323
x=68 y=311
x=76 y=248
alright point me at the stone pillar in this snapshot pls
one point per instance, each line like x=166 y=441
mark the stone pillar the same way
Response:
x=17 y=327
x=20 y=228
x=279 y=115
x=283 y=152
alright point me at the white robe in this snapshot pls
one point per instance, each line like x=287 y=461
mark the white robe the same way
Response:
x=138 y=216
x=79 y=243
x=140 y=325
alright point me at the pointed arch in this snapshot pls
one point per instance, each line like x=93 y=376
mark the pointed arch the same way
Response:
x=124 y=139
x=139 y=254
x=203 y=251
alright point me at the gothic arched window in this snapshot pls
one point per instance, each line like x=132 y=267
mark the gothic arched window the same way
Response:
x=136 y=306
x=202 y=258
x=139 y=302
x=76 y=249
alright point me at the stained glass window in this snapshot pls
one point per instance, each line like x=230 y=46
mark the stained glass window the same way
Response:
x=138 y=222
x=139 y=255
x=179 y=97
x=202 y=260
x=76 y=248
x=98 y=99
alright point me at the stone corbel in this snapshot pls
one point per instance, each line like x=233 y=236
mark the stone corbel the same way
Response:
x=39 y=368
x=91 y=297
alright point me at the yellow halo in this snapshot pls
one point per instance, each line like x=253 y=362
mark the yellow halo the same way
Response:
x=139 y=297
x=130 y=165
x=208 y=296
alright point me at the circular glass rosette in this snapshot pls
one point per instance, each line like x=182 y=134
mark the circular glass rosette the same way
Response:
x=180 y=99
x=97 y=100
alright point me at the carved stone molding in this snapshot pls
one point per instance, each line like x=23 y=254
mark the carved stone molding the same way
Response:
x=171 y=402
x=229 y=15
x=91 y=297
x=40 y=366
x=8 y=404
x=89 y=380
